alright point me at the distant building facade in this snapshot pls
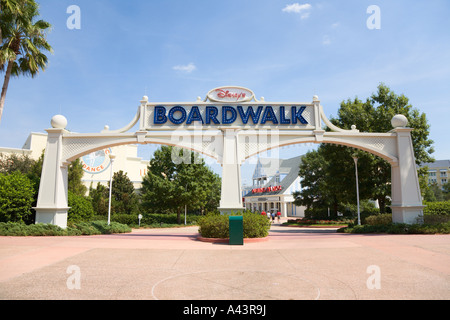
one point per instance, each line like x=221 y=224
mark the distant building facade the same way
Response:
x=96 y=166
x=438 y=172
x=274 y=181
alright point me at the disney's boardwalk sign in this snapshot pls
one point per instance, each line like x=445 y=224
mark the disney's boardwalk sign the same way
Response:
x=230 y=125
x=232 y=107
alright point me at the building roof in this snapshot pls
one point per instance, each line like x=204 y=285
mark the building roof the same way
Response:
x=436 y=164
x=290 y=167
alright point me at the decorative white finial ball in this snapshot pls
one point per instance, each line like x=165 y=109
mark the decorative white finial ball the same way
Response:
x=399 y=121
x=59 y=122
x=315 y=98
x=144 y=98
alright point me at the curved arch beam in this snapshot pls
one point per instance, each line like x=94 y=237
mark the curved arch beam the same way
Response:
x=380 y=144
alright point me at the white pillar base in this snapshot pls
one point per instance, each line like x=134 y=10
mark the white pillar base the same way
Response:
x=407 y=214
x=55 y=216
x=230 y=210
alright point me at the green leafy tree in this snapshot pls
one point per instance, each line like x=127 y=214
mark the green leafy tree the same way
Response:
x=170 y=185
x=23 y=42
x=100 y=199
x=124 y=198
x=446 y=191
x=75 y=174
x=16 y=197
x=16 y=162
x=437 y=192
x=24 y=164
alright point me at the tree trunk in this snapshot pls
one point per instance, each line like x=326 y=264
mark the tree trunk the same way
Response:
x=382 y=204
x=5 y=87
x=178 y=215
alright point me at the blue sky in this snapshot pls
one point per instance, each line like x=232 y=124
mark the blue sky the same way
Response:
x=175 y=50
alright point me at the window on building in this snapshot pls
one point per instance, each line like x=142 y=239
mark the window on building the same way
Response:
x=432 y=173
x=443 y=173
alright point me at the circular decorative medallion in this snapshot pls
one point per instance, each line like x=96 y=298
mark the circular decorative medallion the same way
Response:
x=96 y=162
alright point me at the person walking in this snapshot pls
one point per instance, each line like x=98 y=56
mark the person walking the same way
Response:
x=279 y=216
x=273 y=216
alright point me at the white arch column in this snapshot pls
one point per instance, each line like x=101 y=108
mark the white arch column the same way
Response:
x=52 y=207
x=406 y=197
x=231 y=195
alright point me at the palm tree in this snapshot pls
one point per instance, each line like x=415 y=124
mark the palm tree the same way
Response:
x=23 y=41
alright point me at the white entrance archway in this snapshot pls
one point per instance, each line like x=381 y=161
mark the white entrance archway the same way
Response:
x=229 y=125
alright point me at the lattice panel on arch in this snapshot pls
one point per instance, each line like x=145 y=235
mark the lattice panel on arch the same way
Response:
x=386 y=144
x=75 y=146
x=211 y=148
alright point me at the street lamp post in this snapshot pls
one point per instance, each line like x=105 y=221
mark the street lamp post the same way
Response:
x=185 y=208
x=111 y=158
x=357 y=188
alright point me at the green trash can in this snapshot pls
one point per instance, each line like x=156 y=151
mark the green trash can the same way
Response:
x=236 y=230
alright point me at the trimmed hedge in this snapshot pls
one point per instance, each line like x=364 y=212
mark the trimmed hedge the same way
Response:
x=378 y=219
x=434 y=222
x=73 y=229
x=217 y=225
x=308 y=222
x=399 y=228
x=438 y=208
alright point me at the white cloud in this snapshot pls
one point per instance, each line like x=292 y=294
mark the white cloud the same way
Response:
x=302 y=9
x=326 y=41
x=185 y=68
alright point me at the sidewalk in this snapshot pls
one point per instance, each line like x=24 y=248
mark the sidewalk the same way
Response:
x=167 y=264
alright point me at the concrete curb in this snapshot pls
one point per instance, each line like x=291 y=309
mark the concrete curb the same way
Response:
x=226 y=240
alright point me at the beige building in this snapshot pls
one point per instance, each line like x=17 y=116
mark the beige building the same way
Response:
x=97 y=165
x=438 y=172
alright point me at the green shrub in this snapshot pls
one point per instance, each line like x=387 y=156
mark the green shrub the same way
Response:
x=435 y=218
x=83 y=228
x=255 y=225
x=81 y=208
x=399 y=228
x=214 y=226
x=73 y=229
x=437 y=208
x=308 y=222
x=113 y=227
x=217 y=225
x=128 y=219
x=16 y=197
x=378 y=219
